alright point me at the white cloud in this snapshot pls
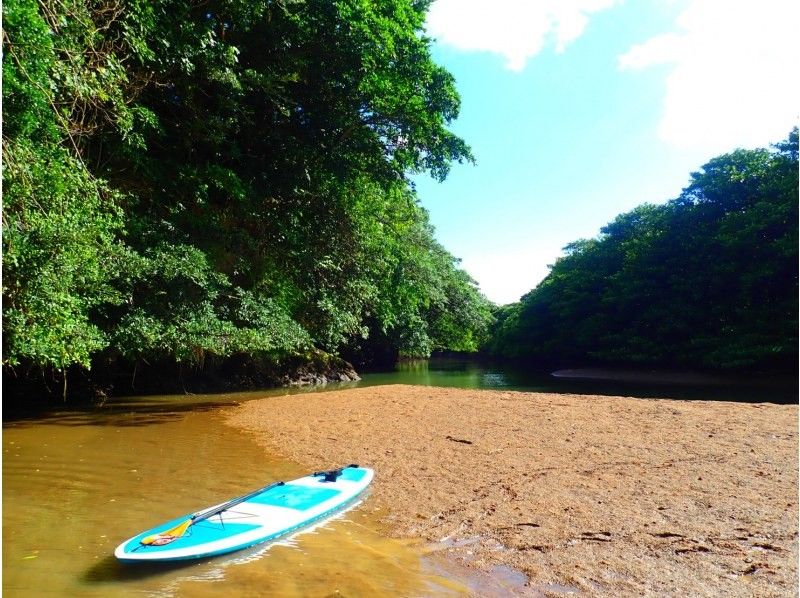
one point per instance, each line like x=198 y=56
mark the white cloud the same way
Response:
x=515 y=29
x=733 y=73
x=507 y=274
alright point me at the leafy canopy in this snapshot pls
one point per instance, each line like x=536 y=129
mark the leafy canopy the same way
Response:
x=708 y=279
x=225 y=178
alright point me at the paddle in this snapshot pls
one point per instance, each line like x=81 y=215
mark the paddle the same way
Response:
x=179 y=530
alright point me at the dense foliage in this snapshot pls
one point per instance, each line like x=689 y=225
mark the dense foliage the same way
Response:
x=708 y=279
x=184 y=179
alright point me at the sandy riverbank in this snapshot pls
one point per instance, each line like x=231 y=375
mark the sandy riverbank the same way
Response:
x=611 y=495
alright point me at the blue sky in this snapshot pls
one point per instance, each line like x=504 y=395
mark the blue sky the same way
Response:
x=578 y=110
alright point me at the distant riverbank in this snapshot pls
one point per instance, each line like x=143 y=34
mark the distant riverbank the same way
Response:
x=466 y=371
x=606 y=495
x=654 y=376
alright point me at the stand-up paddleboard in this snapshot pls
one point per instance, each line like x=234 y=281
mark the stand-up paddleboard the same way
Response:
x=265 y=514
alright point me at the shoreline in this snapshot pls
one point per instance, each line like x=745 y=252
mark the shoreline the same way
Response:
x=673 y=377
x=609 y=495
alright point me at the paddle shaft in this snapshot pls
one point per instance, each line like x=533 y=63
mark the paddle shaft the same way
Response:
x=232 y=503
x=241 y=499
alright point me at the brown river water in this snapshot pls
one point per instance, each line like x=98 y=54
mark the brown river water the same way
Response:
x=76 y=484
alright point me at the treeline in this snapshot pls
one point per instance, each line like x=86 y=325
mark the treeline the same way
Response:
x=706 y=280
x=186 y=181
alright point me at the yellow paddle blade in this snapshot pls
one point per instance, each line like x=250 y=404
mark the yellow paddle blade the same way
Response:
x=168 y=536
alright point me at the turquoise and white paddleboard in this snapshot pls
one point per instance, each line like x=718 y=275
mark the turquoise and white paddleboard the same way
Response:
x=260 y=516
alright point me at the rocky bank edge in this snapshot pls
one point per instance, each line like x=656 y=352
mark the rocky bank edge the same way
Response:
x=614 y=496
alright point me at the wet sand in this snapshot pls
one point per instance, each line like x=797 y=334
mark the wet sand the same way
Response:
x=610 y=496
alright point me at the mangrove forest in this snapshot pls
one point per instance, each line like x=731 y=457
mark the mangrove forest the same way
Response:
x=191 y=182
x=707 y=280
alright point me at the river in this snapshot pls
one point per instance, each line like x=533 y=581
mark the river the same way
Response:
x=76 y=482
x=470 y=373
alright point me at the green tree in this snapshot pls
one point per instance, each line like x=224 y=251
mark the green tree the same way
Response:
x=60 y=223
x=708 y=279
x=223 y=179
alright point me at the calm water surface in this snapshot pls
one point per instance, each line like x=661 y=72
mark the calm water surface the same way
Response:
x=465 y=373
x=76 y=483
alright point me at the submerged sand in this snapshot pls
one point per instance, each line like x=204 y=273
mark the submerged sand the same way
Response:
x=611 y=496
